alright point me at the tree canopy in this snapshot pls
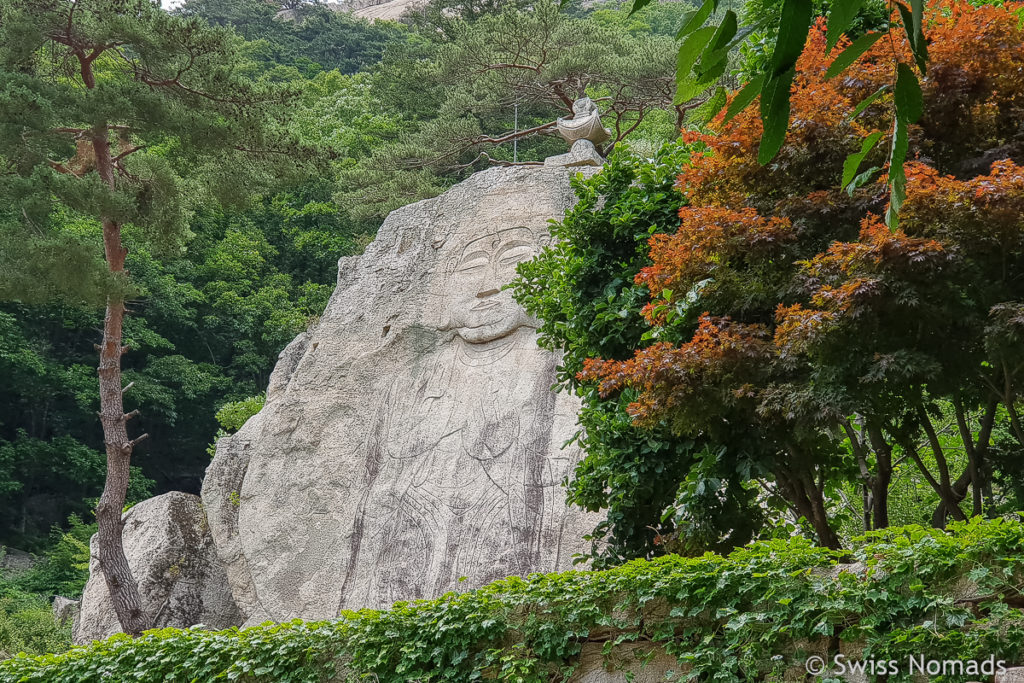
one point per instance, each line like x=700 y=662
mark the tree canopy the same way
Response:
x=802 y=349
x=501 y=77
x=94 y=96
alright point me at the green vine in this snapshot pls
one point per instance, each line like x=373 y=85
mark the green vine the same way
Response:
x=751 y=615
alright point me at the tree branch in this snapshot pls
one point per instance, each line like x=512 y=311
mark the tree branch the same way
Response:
x=125 y=153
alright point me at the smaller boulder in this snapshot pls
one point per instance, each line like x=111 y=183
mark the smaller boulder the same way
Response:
x=582 y=153
x=64 y=609
x=181 y=580
x=14 y=561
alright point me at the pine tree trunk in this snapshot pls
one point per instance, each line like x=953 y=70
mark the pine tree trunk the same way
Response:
x=124 y=591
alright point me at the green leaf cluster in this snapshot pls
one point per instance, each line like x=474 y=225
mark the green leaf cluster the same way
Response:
x=582 y=289
x=27 y=625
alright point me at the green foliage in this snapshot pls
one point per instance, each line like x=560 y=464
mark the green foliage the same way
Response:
x=909 y=106
x=730 y=618
x=65 y=567
x=660 y=18
x=582 y=288
x=233 y=415
x=771 y=73
x=206 y=329
x=44 y=478
x=754 y=241
x=27 y=622
x=222 y=280
x=870 y=15
x=173 y=84
x=457 y=88
x=27 y=625
x=220 y=288
x=314 y=39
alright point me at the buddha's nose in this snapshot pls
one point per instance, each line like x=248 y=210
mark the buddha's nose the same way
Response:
x=489 y=292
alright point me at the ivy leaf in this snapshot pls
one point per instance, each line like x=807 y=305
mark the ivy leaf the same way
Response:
x=686 y=84
x=840 y=16
x=695 y=19
x=793 y=26
x=978 y=573
x=744 y=98
x=854 y=160
x=852 y=53
x=867 y=102
x=909 y=107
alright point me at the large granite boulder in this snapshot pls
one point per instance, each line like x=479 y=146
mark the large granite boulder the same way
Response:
x=181 y=580
x=410 y=443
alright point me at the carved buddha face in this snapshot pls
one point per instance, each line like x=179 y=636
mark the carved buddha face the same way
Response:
x=481 y=310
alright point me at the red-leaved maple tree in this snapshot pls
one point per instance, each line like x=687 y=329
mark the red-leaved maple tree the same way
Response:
x=823 y=345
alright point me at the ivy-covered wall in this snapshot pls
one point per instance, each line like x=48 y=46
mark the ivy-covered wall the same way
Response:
x=756 y=614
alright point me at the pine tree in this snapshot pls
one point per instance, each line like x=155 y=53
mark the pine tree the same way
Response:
x=115 y=118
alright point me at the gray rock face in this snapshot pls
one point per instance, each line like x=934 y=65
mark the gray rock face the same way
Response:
x=14 y=562
x=64 y=609
x=411 y=439
x=181 y=580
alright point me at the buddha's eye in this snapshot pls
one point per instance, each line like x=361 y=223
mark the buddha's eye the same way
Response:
x=473 y=262
x=516 y=254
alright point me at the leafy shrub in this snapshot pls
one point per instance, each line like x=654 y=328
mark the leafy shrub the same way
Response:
x=729 y=617
x=72 y=471
x=582 y=288
x=27 y=625
x=65 y=568
x=802 y=346
x=233 y=415
x=27 y=622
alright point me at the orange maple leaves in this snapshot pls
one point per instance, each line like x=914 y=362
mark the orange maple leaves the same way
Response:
x=679 y=379
x=709 y=239
x=741 y=226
